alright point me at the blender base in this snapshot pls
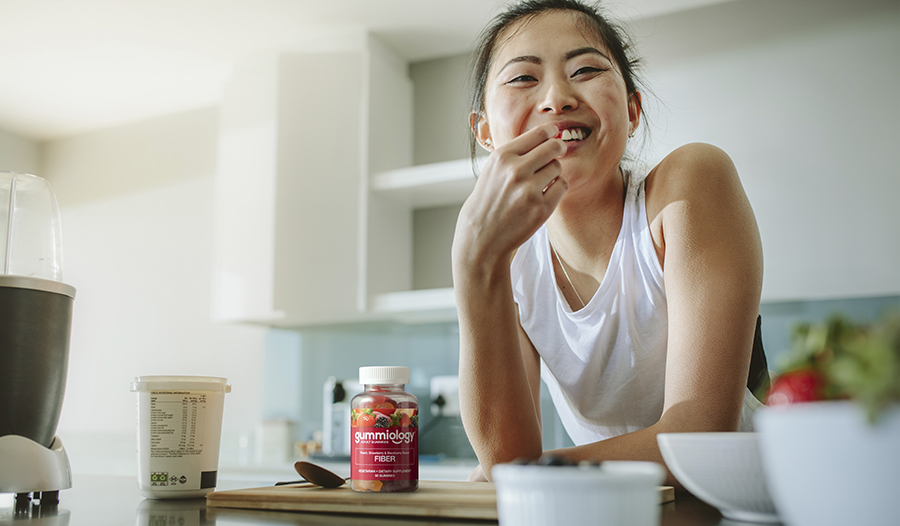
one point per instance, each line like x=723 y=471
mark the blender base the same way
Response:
x=27 y=467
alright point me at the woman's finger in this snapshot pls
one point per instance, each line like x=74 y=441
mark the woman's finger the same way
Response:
x=544 y=191
x=543 y=155
x=521 y=167
x=532 y=138
x=555 y=185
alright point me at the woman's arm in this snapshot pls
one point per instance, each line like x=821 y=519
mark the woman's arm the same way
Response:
x=510 y=201
x=496 y=405
x=708 y=242
x=713 y=274
x=532 y=363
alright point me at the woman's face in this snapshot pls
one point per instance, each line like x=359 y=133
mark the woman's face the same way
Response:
x=549 y=71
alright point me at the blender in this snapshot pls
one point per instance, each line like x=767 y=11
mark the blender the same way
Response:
x=35 y=322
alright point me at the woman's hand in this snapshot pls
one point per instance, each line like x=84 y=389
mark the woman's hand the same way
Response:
x=477 y=475
x=519 y=187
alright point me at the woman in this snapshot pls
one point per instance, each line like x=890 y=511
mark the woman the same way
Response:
x=635 y=297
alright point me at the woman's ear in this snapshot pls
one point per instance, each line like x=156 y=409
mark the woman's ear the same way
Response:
x=634 y=111
x=482 y=130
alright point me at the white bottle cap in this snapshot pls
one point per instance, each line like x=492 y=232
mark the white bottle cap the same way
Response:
x=383 y=375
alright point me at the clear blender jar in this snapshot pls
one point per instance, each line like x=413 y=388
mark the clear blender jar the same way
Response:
x=35 y=324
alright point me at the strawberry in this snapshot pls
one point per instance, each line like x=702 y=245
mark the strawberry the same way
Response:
x=801 y=385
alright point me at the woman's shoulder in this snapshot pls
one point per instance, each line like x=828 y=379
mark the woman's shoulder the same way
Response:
x=692 y=170
x=696 y=152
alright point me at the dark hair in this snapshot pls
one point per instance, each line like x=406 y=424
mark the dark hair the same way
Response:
x=611 y=35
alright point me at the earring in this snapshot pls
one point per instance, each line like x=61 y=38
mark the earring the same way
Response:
x=488 y=144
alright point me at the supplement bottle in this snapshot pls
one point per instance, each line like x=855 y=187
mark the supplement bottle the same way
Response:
x=384 y=438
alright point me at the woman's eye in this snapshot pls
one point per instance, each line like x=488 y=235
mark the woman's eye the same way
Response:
x=586 y=70
x=522 y=78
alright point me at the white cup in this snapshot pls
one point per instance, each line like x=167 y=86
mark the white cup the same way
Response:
x=620 y=493
x=179 y=432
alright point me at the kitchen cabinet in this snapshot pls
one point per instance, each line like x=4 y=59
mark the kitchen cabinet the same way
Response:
x=315 y=195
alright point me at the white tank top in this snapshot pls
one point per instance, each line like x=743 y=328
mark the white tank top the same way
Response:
x=605 y=364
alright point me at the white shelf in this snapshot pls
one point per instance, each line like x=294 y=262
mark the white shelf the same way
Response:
x=426 y=305
x=429 y=185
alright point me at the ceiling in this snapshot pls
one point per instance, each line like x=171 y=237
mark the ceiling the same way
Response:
x=71 y=66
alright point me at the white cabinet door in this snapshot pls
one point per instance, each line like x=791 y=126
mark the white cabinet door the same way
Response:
x=288 y=183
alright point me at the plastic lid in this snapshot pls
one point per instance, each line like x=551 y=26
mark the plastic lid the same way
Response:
x=383 y=375
x=180 y=383
x=30 y=228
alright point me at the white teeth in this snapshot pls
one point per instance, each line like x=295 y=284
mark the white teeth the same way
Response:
x=573 y=134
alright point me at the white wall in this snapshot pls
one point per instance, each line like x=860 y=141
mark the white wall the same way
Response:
x=141 y=263
x=137 y=213
x=804 y=97
x=125 y=159
x=18 y=154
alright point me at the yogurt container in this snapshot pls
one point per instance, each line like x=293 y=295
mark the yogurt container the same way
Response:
x=179 y=433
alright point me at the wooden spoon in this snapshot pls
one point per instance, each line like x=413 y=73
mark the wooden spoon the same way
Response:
x=319 y=475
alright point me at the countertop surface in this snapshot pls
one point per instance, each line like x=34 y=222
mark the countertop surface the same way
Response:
x=96 y=500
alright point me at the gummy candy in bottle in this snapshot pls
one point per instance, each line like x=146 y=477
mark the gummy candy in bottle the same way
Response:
x=384 y=425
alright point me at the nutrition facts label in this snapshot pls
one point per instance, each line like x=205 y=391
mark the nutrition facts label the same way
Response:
x=176 y=423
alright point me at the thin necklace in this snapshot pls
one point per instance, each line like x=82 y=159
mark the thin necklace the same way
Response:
x=566 y=274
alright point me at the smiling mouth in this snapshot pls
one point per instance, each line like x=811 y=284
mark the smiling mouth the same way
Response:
x=574 y=134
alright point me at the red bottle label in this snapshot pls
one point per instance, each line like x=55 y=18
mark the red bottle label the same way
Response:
x=388 y=453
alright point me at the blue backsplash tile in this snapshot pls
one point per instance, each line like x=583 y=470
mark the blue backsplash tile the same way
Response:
x=779 y=318
x=298 y=363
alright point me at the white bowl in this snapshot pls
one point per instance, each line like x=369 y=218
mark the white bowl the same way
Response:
x=723 y=470
x=827 y=465
x=617 y=493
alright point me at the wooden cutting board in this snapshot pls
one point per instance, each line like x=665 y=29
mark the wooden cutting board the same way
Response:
x=451 y=499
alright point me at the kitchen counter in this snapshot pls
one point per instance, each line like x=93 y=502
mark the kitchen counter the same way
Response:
x=96 y=500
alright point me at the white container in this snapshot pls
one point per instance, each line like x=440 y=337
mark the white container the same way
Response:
x=179 y=433
x=827 y=465
x=723 y=470
x=617 y=493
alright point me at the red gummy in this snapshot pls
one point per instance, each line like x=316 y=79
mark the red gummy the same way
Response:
x=377 y=401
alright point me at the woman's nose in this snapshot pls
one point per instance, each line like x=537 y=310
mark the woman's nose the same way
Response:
x=559 y=98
